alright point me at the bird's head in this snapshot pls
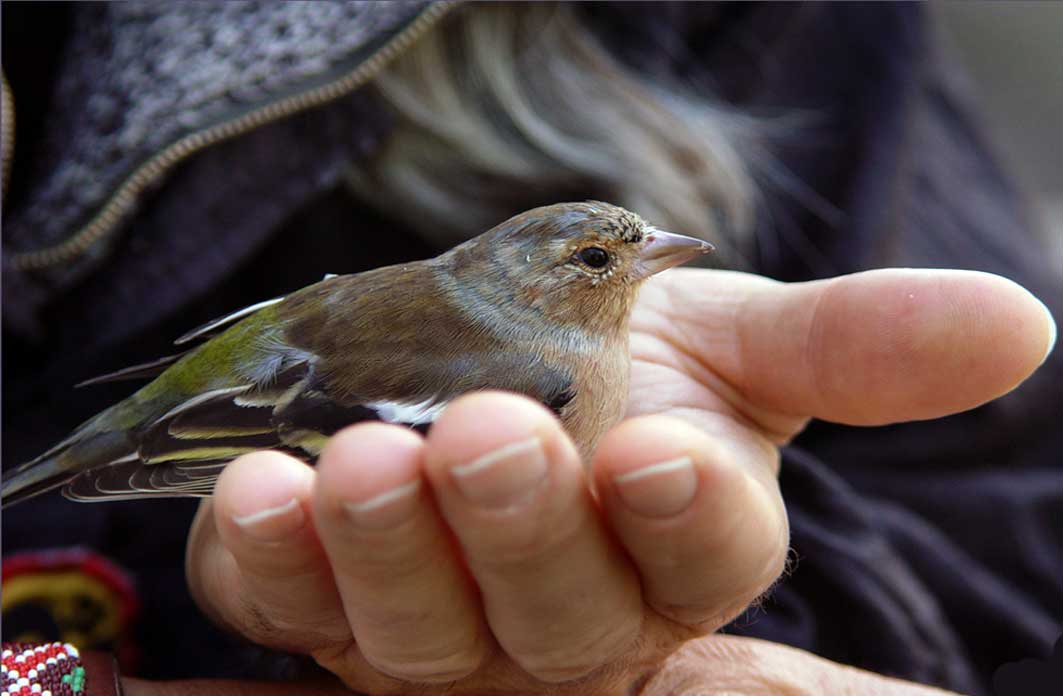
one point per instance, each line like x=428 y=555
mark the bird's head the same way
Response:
x=574 y=263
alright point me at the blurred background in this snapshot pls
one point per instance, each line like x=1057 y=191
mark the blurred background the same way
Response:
x=1013 y=52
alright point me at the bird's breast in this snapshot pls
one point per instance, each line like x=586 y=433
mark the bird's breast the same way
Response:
x=601 y=393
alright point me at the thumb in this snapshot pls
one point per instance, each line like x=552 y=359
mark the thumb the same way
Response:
x=864 y=349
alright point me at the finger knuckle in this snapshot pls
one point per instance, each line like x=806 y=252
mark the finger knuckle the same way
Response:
x=397 y=563
x=569 y=660
x=523 y=547
x=430 y=668
x=553 y=671
x=703 y=617
x=706 y=614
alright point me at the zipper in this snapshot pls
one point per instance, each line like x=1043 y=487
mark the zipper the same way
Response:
x=122 y=201
x=7 y=134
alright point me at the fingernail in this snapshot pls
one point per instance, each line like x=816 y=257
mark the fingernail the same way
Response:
x=659 y=490
x=387 y=509
x=273 y=524
x=502 y=477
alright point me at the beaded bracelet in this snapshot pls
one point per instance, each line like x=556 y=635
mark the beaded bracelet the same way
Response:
x=51 y=669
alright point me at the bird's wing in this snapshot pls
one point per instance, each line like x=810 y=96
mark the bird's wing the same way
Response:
x=182 y=452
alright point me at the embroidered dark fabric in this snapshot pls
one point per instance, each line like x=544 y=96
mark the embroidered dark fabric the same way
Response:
x=931 y=551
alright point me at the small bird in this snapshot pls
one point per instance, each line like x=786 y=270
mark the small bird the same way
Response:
x=538 y=305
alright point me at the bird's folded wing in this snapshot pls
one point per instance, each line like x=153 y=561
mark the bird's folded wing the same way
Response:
x=182 y=452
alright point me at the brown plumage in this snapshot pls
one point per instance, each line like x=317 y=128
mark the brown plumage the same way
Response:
x=539 y=305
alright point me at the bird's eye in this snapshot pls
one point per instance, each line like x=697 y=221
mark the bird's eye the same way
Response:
x=594 y=257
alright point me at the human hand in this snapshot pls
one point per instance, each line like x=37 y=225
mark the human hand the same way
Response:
x=550 y=583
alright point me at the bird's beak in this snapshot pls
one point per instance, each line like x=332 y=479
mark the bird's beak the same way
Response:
x=662 y=250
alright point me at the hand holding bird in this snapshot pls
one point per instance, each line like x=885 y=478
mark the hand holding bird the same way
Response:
x=477 y=559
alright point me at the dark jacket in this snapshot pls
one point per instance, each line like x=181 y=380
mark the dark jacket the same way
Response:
x=931 y=551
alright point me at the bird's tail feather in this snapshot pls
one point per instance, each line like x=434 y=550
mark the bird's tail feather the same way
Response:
x=62 y=463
